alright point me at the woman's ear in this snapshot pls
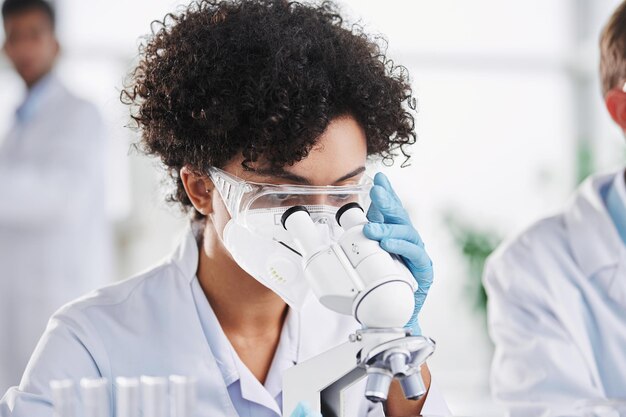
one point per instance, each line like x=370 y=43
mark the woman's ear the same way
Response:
x=199 y=190
x=615 y=101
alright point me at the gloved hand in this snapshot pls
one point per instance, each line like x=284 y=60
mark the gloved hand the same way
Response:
x=391 y=226
x=304 y=410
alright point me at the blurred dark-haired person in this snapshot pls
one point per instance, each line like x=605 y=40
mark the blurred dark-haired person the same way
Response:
x=52 y=227
x=557 y=292
x=250 y=105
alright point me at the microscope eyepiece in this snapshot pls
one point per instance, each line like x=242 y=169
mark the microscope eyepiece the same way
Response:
x=345 y=208
x=291 y=211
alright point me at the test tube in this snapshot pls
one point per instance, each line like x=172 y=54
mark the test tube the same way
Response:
x=127 y=395
x=154 y=396
x=95 y=394
x=182 y=396
x=63 y=398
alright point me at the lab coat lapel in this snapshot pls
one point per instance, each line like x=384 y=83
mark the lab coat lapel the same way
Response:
x=594 y=239
x=595 y=245
x=592 y=235
x=617 y=285
x=10 y=141
x=212 y=387
x=34 y=131
x=286 y=354
x=284 y=357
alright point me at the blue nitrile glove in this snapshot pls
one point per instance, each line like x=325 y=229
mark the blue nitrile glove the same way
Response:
x=391 y=226
x=304 y=410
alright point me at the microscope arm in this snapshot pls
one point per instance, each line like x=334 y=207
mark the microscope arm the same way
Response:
x=306 y=381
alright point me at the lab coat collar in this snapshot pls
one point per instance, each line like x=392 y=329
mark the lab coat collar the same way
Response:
x=186 y=255
x=214 y=335
x=593 y=237
x=286 y=354
x=284 y=358
x=616 y=204
x=36 y=96
x=186 y=258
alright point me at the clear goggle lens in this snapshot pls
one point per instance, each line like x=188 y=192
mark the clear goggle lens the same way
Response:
x=285 y=200
x=259 y=207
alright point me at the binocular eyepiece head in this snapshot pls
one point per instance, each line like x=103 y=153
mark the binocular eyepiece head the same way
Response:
x=348 y=215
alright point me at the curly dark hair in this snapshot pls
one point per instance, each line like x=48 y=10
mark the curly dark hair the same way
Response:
x=262 y=78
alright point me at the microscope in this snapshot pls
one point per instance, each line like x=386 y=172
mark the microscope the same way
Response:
x=355 y=276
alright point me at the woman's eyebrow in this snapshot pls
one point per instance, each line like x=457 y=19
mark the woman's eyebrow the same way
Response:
x=284 y=175
x=302 y=180
x=351 y=174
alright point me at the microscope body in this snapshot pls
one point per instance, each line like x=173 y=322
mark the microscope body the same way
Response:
x=355 y=276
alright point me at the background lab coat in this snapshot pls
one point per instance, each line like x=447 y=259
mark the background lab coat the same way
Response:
x=53 y=243
x=155 y=324
x=557 y=306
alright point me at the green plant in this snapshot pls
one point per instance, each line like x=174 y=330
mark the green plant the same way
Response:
x=475 y=245
x=584 y=161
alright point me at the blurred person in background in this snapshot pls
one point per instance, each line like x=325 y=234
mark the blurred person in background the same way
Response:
x=52 y=227
x=557 y=292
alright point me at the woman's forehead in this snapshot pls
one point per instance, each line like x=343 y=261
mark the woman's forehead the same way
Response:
x=339 y=155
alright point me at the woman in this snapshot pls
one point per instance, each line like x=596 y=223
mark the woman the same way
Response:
x=230 y=94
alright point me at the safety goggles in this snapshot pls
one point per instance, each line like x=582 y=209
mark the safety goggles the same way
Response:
x=247 y=202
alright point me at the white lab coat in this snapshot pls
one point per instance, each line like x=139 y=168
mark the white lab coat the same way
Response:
x=155 y=324
x=557 y=308
x=53 y=241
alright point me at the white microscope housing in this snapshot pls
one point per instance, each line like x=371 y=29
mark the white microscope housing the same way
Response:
x=354 y=276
